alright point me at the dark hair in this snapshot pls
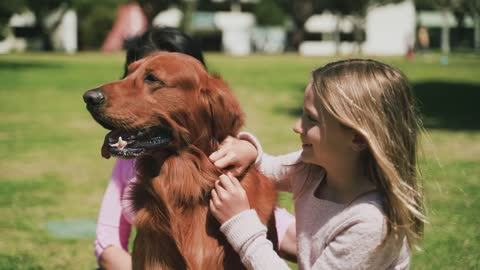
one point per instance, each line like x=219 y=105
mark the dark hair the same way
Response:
x=160 y=39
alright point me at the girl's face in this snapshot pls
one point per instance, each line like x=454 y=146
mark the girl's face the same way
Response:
x=324 y=140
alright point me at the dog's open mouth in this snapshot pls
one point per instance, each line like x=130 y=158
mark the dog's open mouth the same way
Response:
x=131 y=144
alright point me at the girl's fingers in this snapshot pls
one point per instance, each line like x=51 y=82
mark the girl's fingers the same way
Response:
x=220 y=153
x=226 y=182
x=222 y=150
x=215 y=200
x=220 y=191
x=213 y=208
x=234 y=181
x=236 y=171
x=225 y=161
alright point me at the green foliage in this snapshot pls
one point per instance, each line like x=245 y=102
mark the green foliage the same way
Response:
x=94 y=26
x=52 y=169
x=95 y=20
x=269 y=12
x=7 y=9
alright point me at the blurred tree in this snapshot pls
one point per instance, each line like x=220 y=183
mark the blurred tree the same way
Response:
x=474 y=10
x=95 y=19
x=41 y=9
x=188 y=8
x=7 y=9
x=445 y=7
x=300 y=11
x=460 y=10
x=269 y=13
x=341 y=8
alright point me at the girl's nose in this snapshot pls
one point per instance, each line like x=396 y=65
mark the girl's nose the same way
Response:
x=297 y=127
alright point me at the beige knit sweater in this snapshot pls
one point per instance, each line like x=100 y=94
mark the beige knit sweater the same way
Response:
x=329 y=235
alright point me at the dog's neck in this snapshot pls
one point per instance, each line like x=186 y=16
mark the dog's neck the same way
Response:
x=183 y=178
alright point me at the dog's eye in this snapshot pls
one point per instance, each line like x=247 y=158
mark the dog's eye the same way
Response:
x=150 y=78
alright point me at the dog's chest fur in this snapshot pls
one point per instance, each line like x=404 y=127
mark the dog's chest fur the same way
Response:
x=173 y=223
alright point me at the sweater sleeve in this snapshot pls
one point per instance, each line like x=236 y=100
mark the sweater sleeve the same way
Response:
x=359 y=247
x=112 y=227
x=248 y=237
x=278 y=168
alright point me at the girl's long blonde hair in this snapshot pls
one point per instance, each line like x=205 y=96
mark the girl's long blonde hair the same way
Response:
x=376 y=101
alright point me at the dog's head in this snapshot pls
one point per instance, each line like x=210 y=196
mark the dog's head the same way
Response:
x=167 y=101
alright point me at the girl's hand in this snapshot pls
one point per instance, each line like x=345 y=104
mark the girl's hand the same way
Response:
x=228 y=198
x=236 y=153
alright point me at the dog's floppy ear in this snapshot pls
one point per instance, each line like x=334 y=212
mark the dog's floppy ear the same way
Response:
x=226 y=115
x=133 y=66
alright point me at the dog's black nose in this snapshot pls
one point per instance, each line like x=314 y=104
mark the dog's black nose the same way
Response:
x=94 y=97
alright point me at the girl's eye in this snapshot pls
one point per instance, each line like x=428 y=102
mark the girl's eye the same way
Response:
x=309 y=117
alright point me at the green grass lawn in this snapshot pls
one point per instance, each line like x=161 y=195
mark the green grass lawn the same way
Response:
x=53 y=177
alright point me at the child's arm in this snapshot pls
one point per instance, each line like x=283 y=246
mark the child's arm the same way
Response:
x=242 y=227
x=113 y=230
x=115 y=258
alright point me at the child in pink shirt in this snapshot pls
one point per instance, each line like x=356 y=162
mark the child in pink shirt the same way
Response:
x=357 y=204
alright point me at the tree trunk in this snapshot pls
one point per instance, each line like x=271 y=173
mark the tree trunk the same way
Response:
x=476 y=29
x=301 y=11
x=43 y=32
x=358 y=25
x=186 y=23
x=445 y=33
x=336 y=33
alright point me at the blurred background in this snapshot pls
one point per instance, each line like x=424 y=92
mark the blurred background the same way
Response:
x=52 y=175
x=241 y=27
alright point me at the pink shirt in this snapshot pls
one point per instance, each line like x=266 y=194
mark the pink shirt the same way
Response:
x=116 y=216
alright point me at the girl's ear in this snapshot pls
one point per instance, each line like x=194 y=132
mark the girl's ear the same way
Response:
x=358 y=142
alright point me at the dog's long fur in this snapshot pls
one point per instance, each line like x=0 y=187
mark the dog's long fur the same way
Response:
x=174 y=227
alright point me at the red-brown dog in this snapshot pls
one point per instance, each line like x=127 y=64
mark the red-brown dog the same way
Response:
x=171 y=114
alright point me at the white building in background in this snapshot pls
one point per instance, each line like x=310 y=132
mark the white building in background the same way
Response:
x=236 y=31
x=64 y=36
x=235 y=26
x=326 y=24
x=170 y=17
x=12 y=43
x=389 y=30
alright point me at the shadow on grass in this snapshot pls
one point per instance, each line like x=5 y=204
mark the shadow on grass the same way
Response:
x=449 y=105
x=443 y=105
x=17 y=65
x=295 y=108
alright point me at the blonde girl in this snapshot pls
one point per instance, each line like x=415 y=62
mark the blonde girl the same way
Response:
x=357 y=202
